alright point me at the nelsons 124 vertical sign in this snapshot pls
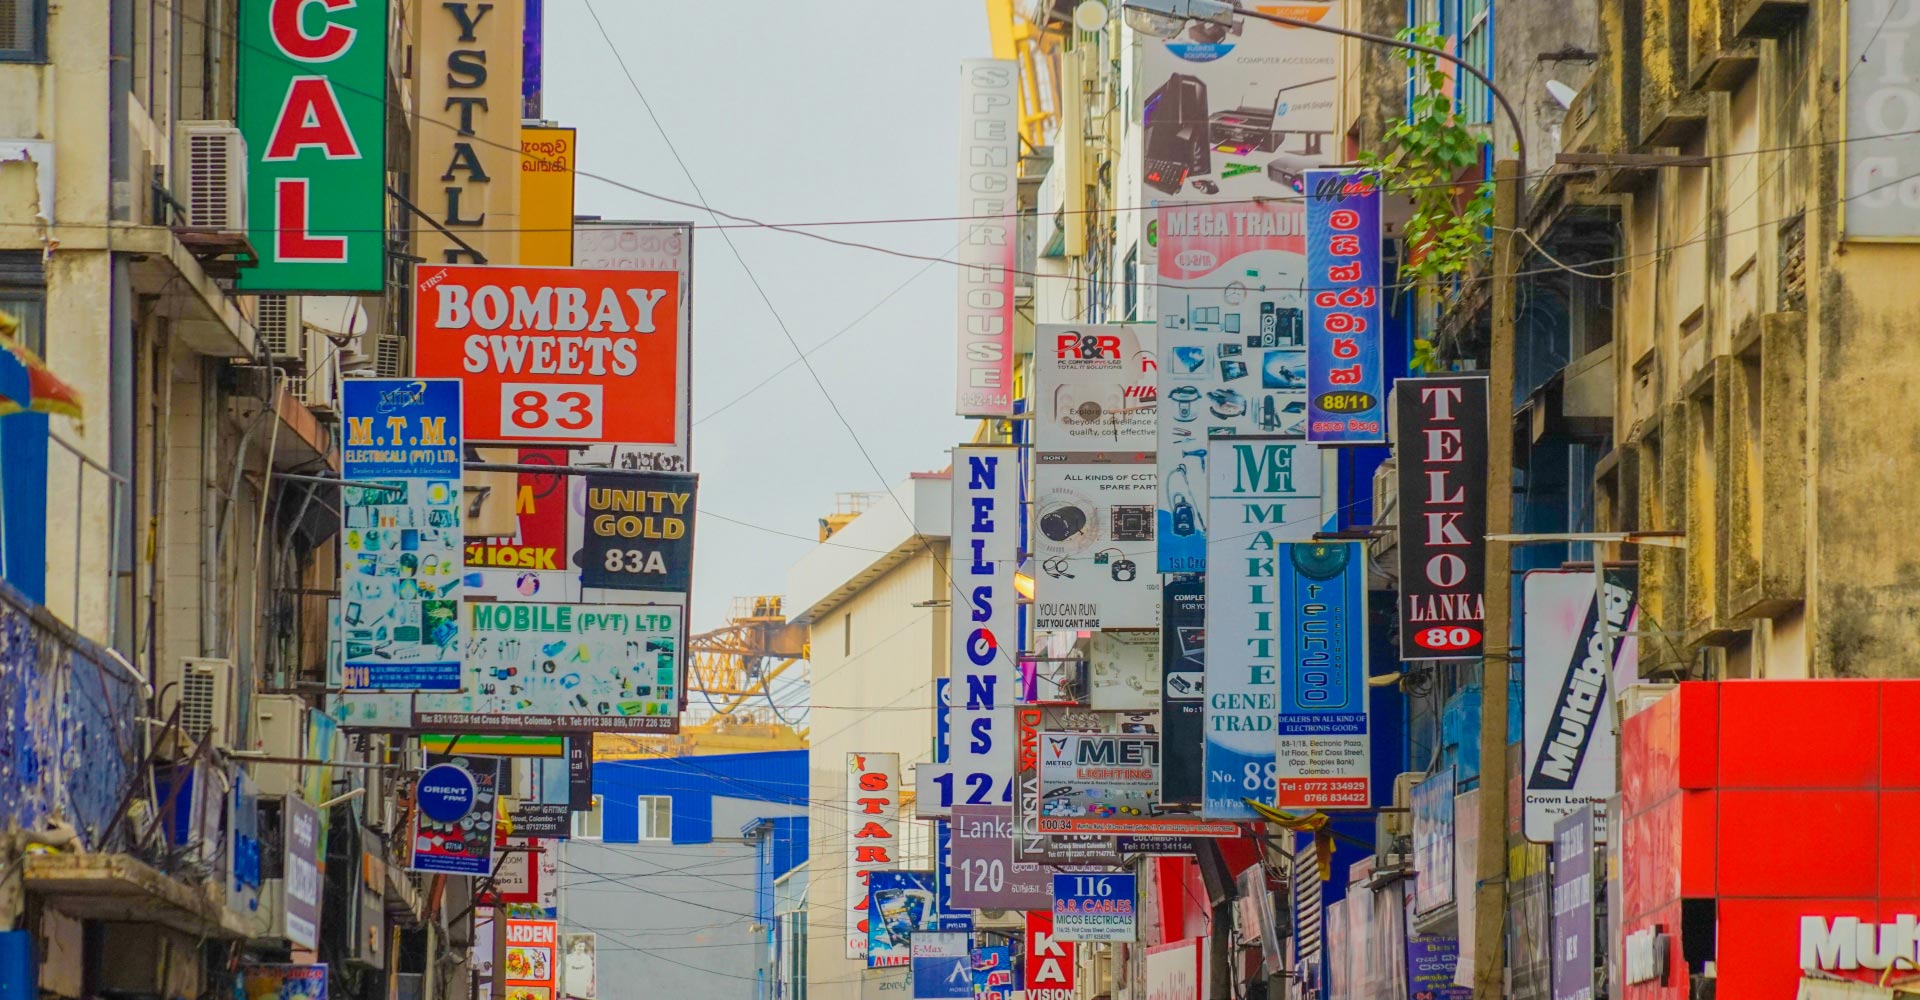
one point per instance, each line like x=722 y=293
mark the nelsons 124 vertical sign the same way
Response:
x=312 y=113
x=1440 y=442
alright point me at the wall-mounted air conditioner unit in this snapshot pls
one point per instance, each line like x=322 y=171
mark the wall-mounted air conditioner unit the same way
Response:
x=279 y=730
x=212 y=160
x=389 y=356
x=202 y=688
x=277 y=317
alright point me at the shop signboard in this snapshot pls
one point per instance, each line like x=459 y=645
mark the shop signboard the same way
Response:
x=1048 y=972
x=556 y=355
x=578 y=667
x=1109 y=783
x=942 y=963
x=400 y=539
x=1323 y=758
x=1569 y=630
x=639 y=532
x=1262 y=492
x=1032 y=842
x=985 y=625
x=313 y=120
x=993 y=974
x=1432 y=963
x=1880 y=197
x=283 y=982
x=1573 y=914
x=532 y=562
x=465 y=121
x=302 y=871
x=946 y=916
x=533 y=966
x=547 y=162
x=873 y=836
x=1232 y=353
x=1346 y=375
x=1183 y=683
x=900 y=904
x=1433 y=859
x=988 y=214
x=1093 y=907
x=985 y=876
x=453 y=815
x=1173 y=970
x=1440 y=444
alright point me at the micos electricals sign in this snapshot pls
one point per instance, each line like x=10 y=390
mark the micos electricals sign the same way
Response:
x=556 y=355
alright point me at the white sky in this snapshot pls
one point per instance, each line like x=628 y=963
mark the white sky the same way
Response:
x=787 y=111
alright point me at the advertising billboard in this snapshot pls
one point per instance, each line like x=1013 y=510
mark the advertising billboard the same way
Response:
x=302 y=871
x=873 y=836
x=985 y=622
x=1239 y=111
x=311 y=109
x=1093 y=392
x=1573 y=914
x=638 y=532
x=555 y=355
x=1323 y=758
x=989 y=240
x=1440 y=444
x=1031 y=842
x=1346 y=375
x=1232 y=350
x=942 y=965
x=453 y=815
x=400 y=541
x=1108 y=783
x=1094 y=545
x=613 y=668
x=533 y=561
x=644 y=246
x=1262 y=492
x=1568 y=631
x=283 y=982
x=1173 y=970
x=1880 y=193
x=900 y=904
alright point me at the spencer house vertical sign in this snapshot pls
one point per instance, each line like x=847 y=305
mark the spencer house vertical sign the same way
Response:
x=1440 y=443
x=989 y=181
x=312 y=112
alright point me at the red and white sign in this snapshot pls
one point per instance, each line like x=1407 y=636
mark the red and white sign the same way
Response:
x=1049 y=965
x=556 y=355
x=873 y=834
x=533 y=955
x=1173 y=970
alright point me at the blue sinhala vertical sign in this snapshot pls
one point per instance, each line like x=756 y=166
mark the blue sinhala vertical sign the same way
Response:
x=1346 y=381
x=401 y=538
x=1321 y=758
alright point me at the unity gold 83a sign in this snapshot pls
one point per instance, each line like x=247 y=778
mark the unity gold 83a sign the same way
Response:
x=639 y=532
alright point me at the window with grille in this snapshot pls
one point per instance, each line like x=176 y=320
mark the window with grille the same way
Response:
x=23 y=296
x=1476 y=48
x=23 y=30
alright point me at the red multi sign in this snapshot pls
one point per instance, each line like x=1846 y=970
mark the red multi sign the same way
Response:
x=1768 y=826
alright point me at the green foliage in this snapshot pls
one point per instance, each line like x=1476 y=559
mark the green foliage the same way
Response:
x=1423 y=155
x=1424 y=362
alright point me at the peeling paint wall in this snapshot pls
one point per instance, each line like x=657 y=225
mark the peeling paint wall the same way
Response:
x=69 y=726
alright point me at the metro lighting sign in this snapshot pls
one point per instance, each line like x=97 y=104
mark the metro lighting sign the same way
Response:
x=312 y=110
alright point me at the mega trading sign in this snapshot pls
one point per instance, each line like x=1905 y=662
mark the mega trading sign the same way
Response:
x=313 y=114
x=556 y=355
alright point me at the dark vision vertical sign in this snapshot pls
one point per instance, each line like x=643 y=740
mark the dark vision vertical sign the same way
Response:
x=1440 y=443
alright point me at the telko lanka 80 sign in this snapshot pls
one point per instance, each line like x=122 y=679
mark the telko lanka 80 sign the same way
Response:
x=561 y=355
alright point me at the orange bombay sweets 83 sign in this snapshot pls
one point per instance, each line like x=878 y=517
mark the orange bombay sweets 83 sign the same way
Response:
x=555 y=354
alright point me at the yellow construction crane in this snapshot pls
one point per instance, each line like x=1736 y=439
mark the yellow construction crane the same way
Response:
x=730 y=674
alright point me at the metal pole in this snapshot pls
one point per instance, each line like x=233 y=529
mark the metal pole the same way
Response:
x=1490 y=862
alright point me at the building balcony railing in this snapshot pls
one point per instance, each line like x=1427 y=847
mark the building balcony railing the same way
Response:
x=70 y=746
